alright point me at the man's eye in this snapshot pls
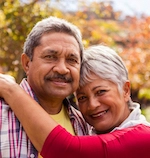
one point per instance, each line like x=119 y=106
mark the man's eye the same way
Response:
x=50 y=57
x=72 y=60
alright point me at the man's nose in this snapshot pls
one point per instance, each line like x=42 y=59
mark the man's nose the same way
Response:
x=61 y=67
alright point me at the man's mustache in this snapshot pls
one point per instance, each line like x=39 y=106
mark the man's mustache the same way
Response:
x=59 y=77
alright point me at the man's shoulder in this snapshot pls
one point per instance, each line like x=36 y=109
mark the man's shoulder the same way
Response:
x=72 y=108
x=75 y=110
x=3 y=104
x=26 y=87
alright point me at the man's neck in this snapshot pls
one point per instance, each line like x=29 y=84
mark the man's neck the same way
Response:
x=51 y=106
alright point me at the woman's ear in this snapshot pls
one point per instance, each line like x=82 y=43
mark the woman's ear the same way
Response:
x=126 y=90
x=25 y=62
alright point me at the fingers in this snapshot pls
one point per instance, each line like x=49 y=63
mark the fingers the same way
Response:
x=7 y=78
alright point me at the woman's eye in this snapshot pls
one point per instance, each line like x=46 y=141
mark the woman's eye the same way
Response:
x=100 y=92
x=81 y=98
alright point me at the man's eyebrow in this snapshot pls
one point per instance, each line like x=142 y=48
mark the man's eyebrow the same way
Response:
x=74 y=55
x=50 y=51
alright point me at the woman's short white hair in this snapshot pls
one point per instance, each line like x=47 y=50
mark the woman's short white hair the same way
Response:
x=104 y=62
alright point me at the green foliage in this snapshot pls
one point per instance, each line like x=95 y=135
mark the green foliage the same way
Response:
x=144 y=93
x=146 y=113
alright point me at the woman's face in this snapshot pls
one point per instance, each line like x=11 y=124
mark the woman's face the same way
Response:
x=102 y=105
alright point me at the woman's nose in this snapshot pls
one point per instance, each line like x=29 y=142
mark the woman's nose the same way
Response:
x=93 y=103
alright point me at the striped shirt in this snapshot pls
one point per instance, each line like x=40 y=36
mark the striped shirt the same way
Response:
x=14 y=143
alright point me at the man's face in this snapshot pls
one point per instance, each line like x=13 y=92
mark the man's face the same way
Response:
x=54 y=71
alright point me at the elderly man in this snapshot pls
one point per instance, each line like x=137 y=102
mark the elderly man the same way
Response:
x=51 y=60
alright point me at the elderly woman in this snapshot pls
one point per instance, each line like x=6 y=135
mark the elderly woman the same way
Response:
x=104 y=100
x=104 y=92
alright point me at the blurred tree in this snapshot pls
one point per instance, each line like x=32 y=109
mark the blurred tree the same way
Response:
x=98 y=22
x=133 y=46
x=17 y=19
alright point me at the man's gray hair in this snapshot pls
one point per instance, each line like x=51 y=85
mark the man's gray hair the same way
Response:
x=47 y=25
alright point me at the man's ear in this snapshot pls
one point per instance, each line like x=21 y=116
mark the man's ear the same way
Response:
x=126 y=90
x=25 y=62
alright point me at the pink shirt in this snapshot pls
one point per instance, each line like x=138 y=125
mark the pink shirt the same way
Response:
x=132 y=142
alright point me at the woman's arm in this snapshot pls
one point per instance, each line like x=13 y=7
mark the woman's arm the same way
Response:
x=133 y=142
x=35 y=120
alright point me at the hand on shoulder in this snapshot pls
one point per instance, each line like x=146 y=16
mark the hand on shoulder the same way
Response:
x=6 y=83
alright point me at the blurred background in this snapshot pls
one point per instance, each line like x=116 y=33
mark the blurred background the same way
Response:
x=124 y=25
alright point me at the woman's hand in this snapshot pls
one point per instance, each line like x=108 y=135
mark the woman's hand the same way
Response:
x=6 y=83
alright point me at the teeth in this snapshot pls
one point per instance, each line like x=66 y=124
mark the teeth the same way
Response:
x=59 y=80
x=99 y=114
